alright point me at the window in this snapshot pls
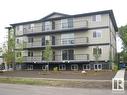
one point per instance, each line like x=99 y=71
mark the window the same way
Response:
x=43 y=55
x=47 y=40
x=96 y=34
x=67 y=23
x=53 y=56
x=62 y=67
x=48 y=25
x=30 y=40
x=30 y=26
x=74 y=67
x=20 y=28
x=64 y=23
x=67 y=54
x=86 y=66
x=43 y=40
x=97 y=51
x=53 y=40
x=30 y=53
x=70 y=22
x=17 y=41
x=67 y=39
x=96 y=18
x=97 y=66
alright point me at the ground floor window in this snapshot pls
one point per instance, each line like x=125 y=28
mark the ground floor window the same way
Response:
x=45 y=67
x=30 y=67
x=86 y=66
x=97 y=66
x=62 y=67
x=74 y=67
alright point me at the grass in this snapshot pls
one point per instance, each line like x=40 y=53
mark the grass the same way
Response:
x=57 y=83
x=36 y=81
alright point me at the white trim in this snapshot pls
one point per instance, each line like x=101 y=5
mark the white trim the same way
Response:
x=86 y=67
x=98 y=67
x=75 y=69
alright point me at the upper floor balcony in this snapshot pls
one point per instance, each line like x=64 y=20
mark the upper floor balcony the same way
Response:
x=56 y=26
x=58 y=42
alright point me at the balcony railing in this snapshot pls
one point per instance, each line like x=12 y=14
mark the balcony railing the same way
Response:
x=57 y=58
x=56 y=27
x=59 y=42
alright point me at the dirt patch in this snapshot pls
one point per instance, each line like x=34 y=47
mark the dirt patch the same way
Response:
x=90 y=75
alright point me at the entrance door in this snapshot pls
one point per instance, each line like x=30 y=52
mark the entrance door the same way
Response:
x=97 y=66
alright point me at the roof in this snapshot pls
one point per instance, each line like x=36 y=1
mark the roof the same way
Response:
x=46 y=18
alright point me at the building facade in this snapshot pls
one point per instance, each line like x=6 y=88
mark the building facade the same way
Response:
x=79 y=42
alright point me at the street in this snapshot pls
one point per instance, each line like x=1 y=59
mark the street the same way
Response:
x=17 y=89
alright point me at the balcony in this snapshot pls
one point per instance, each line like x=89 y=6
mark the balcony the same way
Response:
x=57 y=27
x=59 y=42
x=57 y=58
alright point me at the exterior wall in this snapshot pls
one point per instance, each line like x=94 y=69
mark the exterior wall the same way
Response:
x=81 y=37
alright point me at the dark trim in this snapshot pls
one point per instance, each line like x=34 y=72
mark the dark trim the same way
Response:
x=63 y=15
x=110 y=12
x=102 y=27
x=100 y=44
x=59 y=31
x=58 y=62
x=66 y=31
x=19 y=36
x=68 y=46
x=65 y=62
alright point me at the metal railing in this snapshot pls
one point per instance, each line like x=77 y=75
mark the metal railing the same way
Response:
x=58 y=58
x=55 y=27
x=59 y=42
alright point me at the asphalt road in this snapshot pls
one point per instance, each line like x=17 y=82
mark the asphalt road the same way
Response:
x=16 y=89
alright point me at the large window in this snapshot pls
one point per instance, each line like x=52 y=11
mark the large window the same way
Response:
x=67 y=23
x=68 y=54
x=67 y=39
x=96 y=34
x=19 y=28
x=31 y=26
x=96 y=18
x=48 y=26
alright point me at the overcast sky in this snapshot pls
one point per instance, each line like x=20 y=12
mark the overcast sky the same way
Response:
x=13 y=11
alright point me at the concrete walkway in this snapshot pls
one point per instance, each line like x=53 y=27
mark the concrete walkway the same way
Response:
x=16 y=89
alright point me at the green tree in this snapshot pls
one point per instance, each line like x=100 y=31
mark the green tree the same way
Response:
x=123 y=35
x=97 y=53
x=48 y=54
x=9 y=53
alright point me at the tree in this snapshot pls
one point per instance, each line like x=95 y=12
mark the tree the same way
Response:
x=123 y=35
x=97 y=53
x=48 y=54
x=9 y=53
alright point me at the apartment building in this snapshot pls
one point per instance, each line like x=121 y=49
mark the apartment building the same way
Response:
x=79 y=42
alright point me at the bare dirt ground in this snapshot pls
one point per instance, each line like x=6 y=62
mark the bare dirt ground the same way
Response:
x=87 y=80
x=90 y=75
